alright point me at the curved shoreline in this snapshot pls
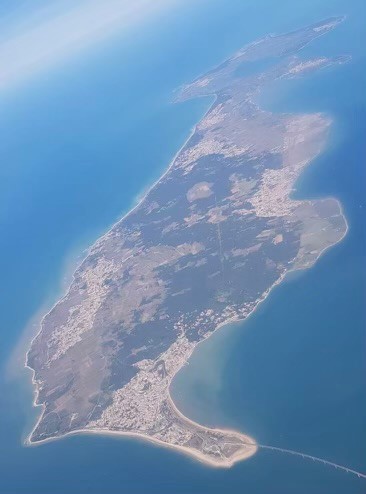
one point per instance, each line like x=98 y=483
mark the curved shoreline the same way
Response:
x=187 y=450
x=247 y=440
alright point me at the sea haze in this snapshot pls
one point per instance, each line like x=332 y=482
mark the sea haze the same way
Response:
x=78 y=147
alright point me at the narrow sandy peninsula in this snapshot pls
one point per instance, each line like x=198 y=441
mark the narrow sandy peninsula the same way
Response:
x=203 y=248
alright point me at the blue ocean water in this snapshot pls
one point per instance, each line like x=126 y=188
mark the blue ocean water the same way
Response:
x=78 y=145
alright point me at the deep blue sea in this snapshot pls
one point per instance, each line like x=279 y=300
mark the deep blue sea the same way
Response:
x=78 y=145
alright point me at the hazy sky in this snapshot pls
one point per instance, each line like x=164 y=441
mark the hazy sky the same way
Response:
x=32 y=39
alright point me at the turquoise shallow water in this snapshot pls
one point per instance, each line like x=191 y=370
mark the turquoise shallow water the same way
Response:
x=78 y=146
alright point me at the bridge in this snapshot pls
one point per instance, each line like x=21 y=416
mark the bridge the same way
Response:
x=313 y=458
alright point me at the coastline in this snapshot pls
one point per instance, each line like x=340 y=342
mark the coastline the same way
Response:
x=70 y=264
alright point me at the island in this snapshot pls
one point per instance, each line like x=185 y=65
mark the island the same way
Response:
x=202 y=249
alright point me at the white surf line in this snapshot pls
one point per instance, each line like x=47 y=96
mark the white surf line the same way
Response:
x=313 y=458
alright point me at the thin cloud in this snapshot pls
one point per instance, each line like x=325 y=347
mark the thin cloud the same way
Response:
x=55 y=38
